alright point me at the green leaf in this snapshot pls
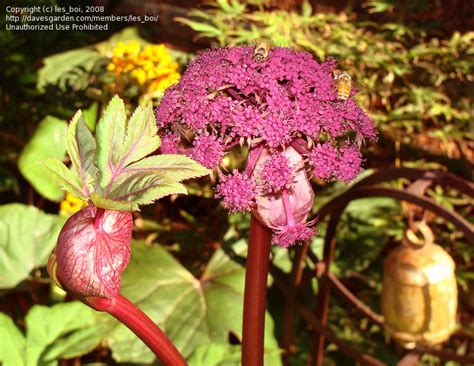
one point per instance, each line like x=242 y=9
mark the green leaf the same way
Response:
x=12 y=345
x=306 y=9
x=62 y=331
x=47 y=142
x=8 y=181
x=90 y=116
x=380 y=6
x=76 y=344
x=176 y=167
x=126 y=177
x=146 y=187
x=58 y=332
x=27 y=237
x=366 y=225
x=64 y=177
x=109 y=204
x=141 y=139
x=192 y=311
x=110 y=136
x=81 y=147
x=216 y=354
x=207 y=29
x=69 y=68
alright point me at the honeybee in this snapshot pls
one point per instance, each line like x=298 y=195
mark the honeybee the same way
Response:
x=183 y=131
x=261 y=50
x=344 y=86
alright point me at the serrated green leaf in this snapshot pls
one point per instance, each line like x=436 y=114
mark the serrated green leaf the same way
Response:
x=27 y=237
x=126 y=177
x=12 y=345
x=69 y=68
x=52 y=332
x=146 y=187
x=61 y=331
x=65 y=178
x=47 y=142
x=216 y=354
x=76 y=344
x=81 y=147
x=109 y=204
x=90 y=116
x=141 y=138
x=110 y=134
x=207 y=29
x=172 y=166
x=192 y=311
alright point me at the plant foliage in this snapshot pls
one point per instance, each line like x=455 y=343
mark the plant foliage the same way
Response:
x=112 y=168
x=409 y=81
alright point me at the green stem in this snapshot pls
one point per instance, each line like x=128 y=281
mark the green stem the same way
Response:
x=139 y=323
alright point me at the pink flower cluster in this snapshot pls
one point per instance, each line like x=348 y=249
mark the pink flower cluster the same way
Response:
x=237 y=191
x=285 y=108
x=276 y=173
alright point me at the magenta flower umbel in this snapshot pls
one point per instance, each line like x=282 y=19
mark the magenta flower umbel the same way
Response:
x=286 y=109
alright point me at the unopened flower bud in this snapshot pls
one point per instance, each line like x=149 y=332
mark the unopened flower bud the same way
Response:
x=92 y=251
x=286 y=212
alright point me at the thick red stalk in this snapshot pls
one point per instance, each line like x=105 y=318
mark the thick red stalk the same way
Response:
x=139 y=323
x=255 y=293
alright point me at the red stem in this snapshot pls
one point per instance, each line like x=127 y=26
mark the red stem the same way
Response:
x=139 y=323
x=255 y=293
x=99 y=212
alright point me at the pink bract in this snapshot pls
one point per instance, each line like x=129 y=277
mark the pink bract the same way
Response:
x=92 y=251
x=289 y=208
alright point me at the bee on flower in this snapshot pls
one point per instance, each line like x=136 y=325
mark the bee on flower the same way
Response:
x=344 y=86
x=261 y=50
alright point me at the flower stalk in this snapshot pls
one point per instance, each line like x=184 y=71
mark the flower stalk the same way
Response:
x=140 y=324
x=255 y=293
x=286 y=108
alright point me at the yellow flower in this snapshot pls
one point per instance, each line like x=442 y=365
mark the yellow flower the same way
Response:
x=139 y=75
x=163 y=83
x=70 y=205
x=151 y=66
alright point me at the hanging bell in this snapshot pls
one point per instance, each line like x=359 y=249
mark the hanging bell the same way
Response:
x=419 y=291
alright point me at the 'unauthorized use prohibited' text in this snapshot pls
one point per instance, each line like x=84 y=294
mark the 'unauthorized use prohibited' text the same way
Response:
x=66 y=18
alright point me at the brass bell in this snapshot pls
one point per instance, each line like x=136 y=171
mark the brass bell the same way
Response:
x=419 y=291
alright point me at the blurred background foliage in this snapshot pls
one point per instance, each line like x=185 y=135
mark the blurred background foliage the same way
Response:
x=414 y=72
x=416 y=85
